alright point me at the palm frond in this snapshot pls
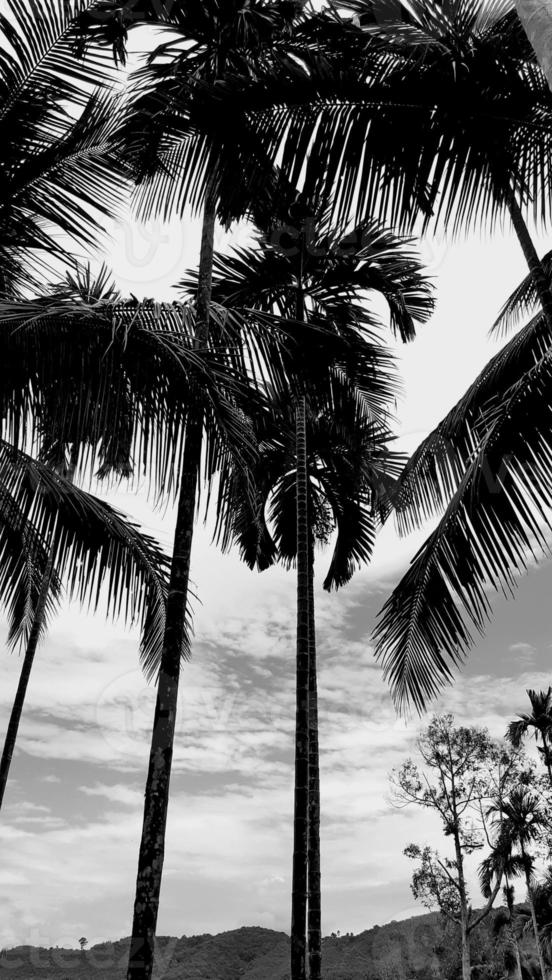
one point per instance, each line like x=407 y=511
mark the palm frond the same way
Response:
x=434 y=125
x=39 y=55
x=435 y=469
x=483 y=541
x=522 y=301
x=92 y=548
x=128 y=387
x=60 y=169
x=516 y=730
x=339 y=266
x=25 y=562
x=70 y=185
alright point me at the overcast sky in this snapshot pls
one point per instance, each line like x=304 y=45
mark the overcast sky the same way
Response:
x=70 y=826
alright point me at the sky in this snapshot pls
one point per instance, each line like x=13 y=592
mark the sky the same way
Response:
x=71 y=821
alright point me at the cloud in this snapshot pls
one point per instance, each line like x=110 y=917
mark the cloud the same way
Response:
x=523 y=653
x=117 y=793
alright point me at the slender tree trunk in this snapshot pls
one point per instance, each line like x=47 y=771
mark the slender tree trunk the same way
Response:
x=152 y=844
x=464 y=912
x=546 y=748
x=515 y=944
x=536 y=17
x=28 y=659
x=511 y=930
x=534 y=920
x=301 y=801
x=466 y=953
x=534 y=263
x=314 y=900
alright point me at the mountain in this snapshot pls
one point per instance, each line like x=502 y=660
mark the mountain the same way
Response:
x=413 y=949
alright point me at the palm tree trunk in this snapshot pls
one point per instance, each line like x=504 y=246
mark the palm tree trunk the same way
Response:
x=301 y=798
x=511 y=930
x=534 y=263
x=546 y=748
x=534 y=920
x=536 y=17
x=152 y=844
x=313 y=862
x=28 y=660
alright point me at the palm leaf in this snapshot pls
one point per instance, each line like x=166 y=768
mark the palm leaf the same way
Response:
x=93 y=549
x=516 y=730
x=25 y=561
x=437 y=466
x=482 y=541
x=39 y=56
x=522 y=301
x=436 y=126
x=349 y=464
x=59 y=165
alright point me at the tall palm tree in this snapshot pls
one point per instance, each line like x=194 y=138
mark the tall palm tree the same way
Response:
x=308 y=271
x=53 y=534
x=503 y=863
x=182 y=154
x=349 y=468
x=522 y=823
x=539 y=721
x=471 y=140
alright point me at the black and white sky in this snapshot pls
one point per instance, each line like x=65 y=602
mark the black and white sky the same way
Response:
x=71 y=822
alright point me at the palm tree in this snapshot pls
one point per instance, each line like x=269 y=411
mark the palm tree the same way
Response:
x=539 y=721
x=349 y=467
x=217 y=167
x=522 y=822
x=52 y=534
x=307 y=270
x=467 y=144
x=503 y=863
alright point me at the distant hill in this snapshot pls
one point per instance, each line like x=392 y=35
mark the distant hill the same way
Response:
x=413 y=949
